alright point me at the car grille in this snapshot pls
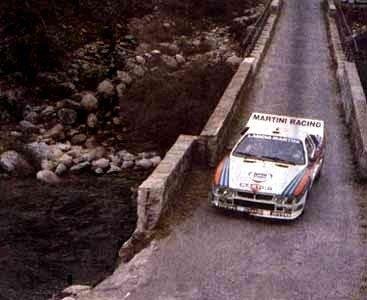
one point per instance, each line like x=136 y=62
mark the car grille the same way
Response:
x=250 y=204
x=249 y=195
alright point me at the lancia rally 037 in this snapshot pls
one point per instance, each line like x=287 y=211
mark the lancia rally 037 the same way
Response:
x=272 y=167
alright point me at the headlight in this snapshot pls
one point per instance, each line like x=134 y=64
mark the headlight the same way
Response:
x=286 y=200
x=223 y=191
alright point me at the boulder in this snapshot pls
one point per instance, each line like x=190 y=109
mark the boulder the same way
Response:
x=127 y=164
x=89 y=102
x=48 y=176
x=138 y=71
x=169 y=62
x=78 y=139
x=66 y=160
x=47 y=165
x=106 y=89
x=61 y=169
x=144 y=163
x=234 y=60
x=28 y=126
x=155 y=160
x=120 y=89
x=80 y=167
x=180 y=59
x=39 y=151
x=92 y=121
x=124 y=77
x=55 y=132
x=114 y=169
x=140 y=60
x=102 y=163
x=13 y=162
x=67 y=116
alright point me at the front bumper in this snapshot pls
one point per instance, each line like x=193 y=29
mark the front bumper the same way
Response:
x=264 y=209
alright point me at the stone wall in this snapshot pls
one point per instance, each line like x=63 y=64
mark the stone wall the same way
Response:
x=352 y=97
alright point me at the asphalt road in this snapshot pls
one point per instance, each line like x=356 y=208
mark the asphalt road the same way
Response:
x=213 y=255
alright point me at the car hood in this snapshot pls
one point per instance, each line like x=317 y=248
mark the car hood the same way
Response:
x=261 y=176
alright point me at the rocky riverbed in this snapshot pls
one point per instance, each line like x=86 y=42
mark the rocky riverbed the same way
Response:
x=77 y=139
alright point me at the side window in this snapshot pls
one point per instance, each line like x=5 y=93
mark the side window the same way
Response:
x=315 y=140
x=309 y=145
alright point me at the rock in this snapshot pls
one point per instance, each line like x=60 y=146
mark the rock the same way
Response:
x=89 y=102
x=48 y=176
x=234 y=60
x=55 y=132
x=138 y=71
x=99 y=171
x=13 y=162
x=78 y=139
x=89 y=156
x=170 y=49
x=116 y=121
x=124 y=77
x=67 y=116
x=80 y=167
x=120 y=89
x=76 y=289
x=169 y=62
x=32 y=117
x=68 y=103
x=92 y=121
x=180 y=59
x=100 y=152
x=91 y=142
x=140 y=60
x=61 y=169
x=144 y=163
x=126 y=156
x=127 y=164
x=155 y=160
x=156 y=52
x=114 y=169
x=41 y=151
x=47 y=165
x=75 y=151
x=68 y=298
x=48 y=112
x=28 y=126
x=102 y=163
x=63 y=146
x=106 y=89
x=66 y=160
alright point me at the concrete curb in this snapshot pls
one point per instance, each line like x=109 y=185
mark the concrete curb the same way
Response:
x=352 y=100
x=215 y=132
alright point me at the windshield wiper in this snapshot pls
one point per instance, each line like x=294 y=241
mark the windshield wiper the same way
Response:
x=248 y=155
x=277 y=159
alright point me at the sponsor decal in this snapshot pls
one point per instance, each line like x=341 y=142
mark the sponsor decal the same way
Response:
x=259 y=177
x=286 y=120
x=259 y=187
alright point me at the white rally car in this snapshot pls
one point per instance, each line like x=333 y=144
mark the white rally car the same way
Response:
x=272 y=168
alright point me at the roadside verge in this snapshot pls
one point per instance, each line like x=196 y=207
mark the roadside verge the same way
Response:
x=353 y=100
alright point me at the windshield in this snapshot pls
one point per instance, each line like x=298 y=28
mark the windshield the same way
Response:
x=273 y=148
